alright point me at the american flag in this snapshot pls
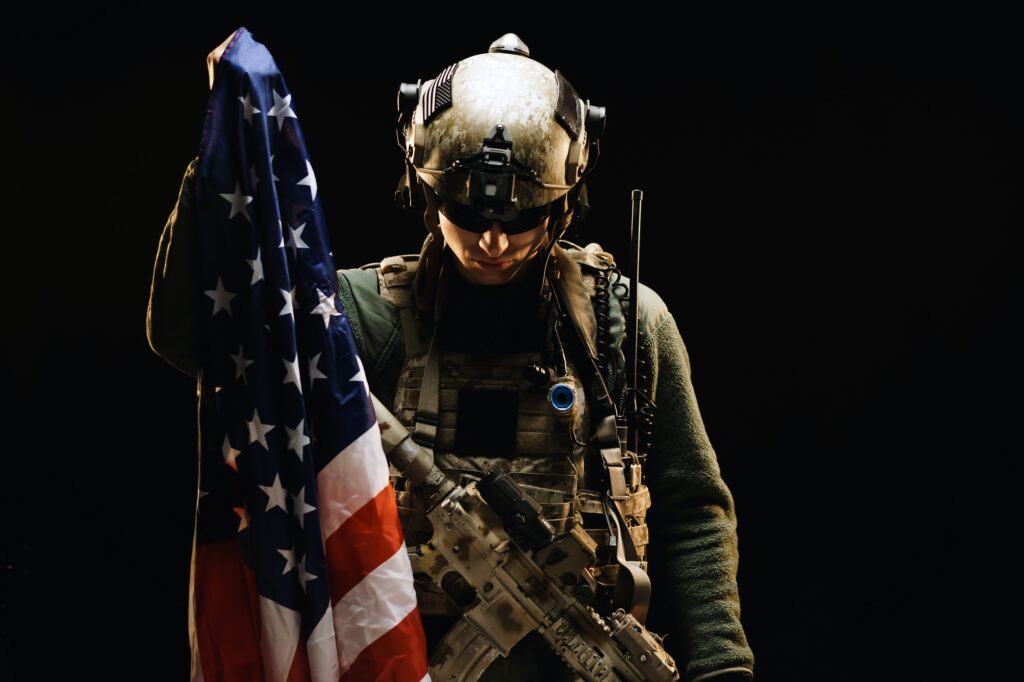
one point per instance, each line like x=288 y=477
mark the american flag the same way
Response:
x=300 y=570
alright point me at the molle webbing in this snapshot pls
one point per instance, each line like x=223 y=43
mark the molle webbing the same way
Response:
x=543 y=456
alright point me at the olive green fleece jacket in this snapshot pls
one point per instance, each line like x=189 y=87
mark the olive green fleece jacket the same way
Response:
x=693 y=554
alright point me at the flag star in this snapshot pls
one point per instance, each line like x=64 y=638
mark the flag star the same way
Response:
x=291 y=372
x=304 y=576
x=276 y=179
x=295 y=238
x=202 y=493
x=361 y=376
x=297 y=438
x=241 y=363
x=230 y=454
x=289 y=558
x=238 y=202
x=258 y=430
x=289 y=297
x=257 y=267
x=326 y=307
x=309 y=180
x=314 y=371
x=248 y=109
x=243 y=515
x=276 y=494
x=300 y=508
x=221 y=298
x=282 y=109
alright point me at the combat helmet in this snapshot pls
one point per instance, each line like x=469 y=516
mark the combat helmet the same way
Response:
x=498 y=132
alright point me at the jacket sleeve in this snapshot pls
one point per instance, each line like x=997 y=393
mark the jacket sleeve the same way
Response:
x=172 y=314
x=377 y=328
x=693 y=551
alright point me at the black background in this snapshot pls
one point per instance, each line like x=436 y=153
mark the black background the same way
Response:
x=831 y=214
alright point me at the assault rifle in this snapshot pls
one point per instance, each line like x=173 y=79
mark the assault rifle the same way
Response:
x=495 y=555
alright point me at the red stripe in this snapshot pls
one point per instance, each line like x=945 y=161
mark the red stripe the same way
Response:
x=300 y=664
x=227 y=614
x=400 y=655
x=366 y=539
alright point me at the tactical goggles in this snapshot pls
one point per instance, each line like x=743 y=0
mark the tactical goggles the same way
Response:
x=469 y=219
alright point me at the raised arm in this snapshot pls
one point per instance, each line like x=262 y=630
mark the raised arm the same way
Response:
x=171 y=317
x=172 y=314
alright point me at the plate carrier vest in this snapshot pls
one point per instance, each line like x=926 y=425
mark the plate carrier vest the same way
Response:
x=556 y=458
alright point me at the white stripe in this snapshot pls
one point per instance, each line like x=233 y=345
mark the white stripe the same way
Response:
x=196 y=674
x=351 y=479
x=378 y=603
x=322 y=650
x=197 y=665
x=280 y=629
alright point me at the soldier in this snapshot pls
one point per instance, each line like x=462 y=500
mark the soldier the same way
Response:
x=467 y=340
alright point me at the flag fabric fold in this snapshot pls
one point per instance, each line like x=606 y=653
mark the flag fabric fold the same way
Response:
x=299 y=567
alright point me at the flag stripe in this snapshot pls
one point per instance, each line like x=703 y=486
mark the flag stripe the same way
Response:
x=227 y=605
x=299 y=671
x=391 y=656
x=376 y=529
x=378 y=603
x=351 y=479
x=322 y=651
x=280 y=638
x=197 y=666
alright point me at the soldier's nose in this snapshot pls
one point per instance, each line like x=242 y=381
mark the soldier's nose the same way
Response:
x=494 y=241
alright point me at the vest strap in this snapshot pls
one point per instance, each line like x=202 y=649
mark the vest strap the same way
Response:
x=576 y=299
x=611 y=458
x=425 y=431
x=397 y=274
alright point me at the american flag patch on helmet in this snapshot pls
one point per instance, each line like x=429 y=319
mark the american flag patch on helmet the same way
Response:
x=438 y=96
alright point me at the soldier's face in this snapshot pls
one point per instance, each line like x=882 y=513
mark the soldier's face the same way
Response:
x=492 y=257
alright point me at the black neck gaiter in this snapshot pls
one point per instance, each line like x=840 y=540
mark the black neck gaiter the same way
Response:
x=502 y=318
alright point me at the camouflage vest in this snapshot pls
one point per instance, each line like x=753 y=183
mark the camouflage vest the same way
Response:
x=550 y=457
